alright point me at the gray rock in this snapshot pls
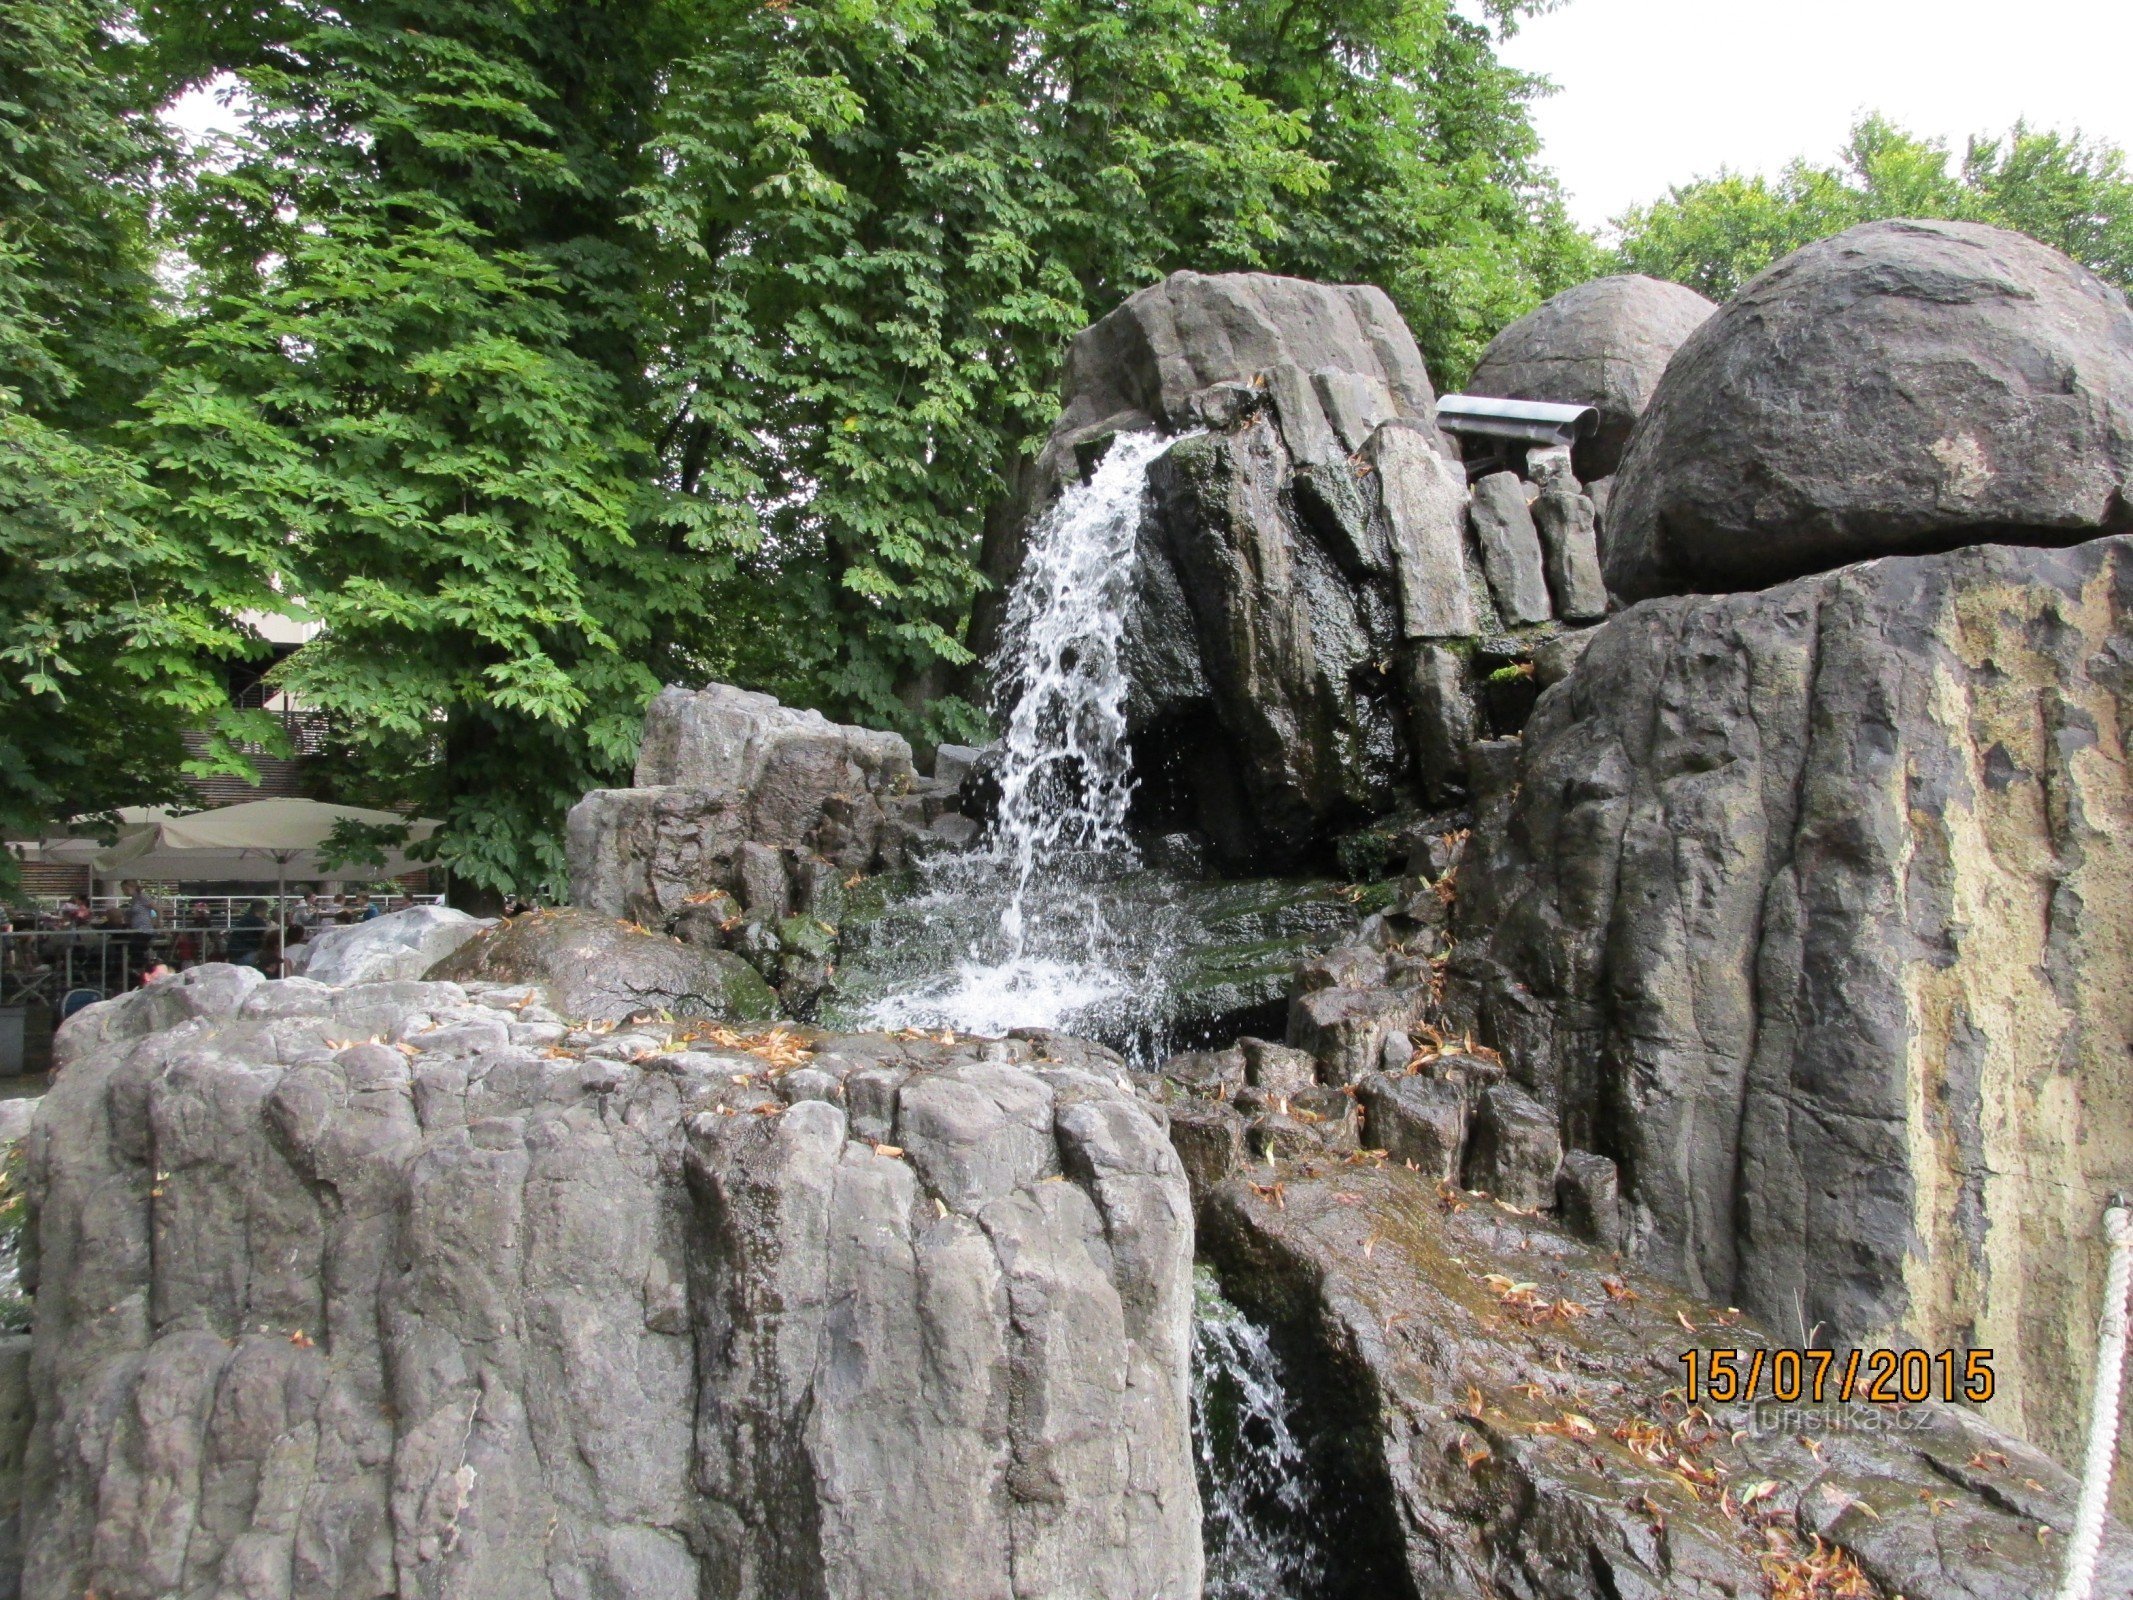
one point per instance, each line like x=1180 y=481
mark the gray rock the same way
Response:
x=1199 y=350
x=1901 y=387
x=1295 y=730
x=1513 y=1149
x=1797 y=903
x=1602 y=344
x=1276 y=1067
x=322 y=1320
x=17 y=1410
x=954 y=830
x=16 y=1115
x=1442 y=718
x=1571 y=553
x=952 y=763
x=1588 y=1198
x=759 y=879
x=596 y=969
x=1425 y=498
x=400 y=944
x=1428 y=1402
x=1510 y=549
x=1415 y=1119
x=1553 y=661
x=721 y=768
x=1209 y=1138
x=1346 y=1028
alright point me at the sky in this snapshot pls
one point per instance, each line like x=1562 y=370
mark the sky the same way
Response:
x=1654 y=92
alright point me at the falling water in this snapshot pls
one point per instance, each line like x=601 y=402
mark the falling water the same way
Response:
x=1257 y=1522
x=1050 y=958
x=1066 y=775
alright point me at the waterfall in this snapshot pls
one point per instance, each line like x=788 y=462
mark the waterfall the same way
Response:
x=1066 y=775
x=1257 y=1518
x=1029 y=906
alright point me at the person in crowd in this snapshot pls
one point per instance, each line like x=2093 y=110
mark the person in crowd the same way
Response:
x=248 y=933
x=140 y=910
x=364 y=910
x=155 y=972
x=307 y=913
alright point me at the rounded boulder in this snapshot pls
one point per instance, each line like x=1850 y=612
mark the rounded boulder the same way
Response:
x=1900 y=388
x=1603 y=344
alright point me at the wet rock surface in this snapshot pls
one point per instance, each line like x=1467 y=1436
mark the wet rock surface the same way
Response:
x=1902 y=387
x=422 y=1288
x=1497 y=1410
x=1805 y=907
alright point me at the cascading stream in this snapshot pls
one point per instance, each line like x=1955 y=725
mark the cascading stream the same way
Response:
x=1042 y=952
x=1256 y=1513
x=1066 y=774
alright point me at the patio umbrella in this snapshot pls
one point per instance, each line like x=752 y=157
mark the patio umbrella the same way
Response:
x=260 y=841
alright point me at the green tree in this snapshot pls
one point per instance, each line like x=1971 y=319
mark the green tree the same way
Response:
x=544 y=350
x=409 y=395
x=97 y=670
x=1713 y=234
x=885 y=219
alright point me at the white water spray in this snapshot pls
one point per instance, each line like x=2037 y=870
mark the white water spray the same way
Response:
x=1257 y=1519
x=1066 y=775
x=1066 y=781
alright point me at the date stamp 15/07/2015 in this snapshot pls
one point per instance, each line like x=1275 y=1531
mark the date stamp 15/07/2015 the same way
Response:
x=1822 y=1377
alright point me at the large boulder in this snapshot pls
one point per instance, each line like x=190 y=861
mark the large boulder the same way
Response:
x=473 y=1309
x=400 y=944
x=721 y=769
x=600 y=970
x=1807 y=907
x=1338 y=354
x=1903 y=387
x=1182 y=353
x=1603 y=344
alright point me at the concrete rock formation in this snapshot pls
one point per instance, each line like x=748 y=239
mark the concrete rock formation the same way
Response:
x=1807 y=907
x=1483 y=1410
x=400 y=944
x=1903 y=387
x=721 y=768
x=596 y=969
x=490 y=1307
x=1602 y=344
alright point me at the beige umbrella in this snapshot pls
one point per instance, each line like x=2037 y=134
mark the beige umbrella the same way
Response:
x=259 y=841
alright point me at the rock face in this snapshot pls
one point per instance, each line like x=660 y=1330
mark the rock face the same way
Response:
x=1484 y=1410
x=1807 y=908
x=721 y=768
x=1312 y=586
x=1902 y=387
x=498 y=1310
x=596 y=969
x=748 y=821
x=400 y=944
x=1603 y=344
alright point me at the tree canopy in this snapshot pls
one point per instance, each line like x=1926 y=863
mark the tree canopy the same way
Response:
x=542 y=350
x=1714 y=234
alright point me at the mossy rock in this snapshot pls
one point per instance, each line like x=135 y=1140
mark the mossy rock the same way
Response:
x=597 y=969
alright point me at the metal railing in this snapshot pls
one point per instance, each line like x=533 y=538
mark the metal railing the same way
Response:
x=45 y=965
x=221 y=910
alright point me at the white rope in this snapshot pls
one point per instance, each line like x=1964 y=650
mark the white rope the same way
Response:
x=2103 y=1410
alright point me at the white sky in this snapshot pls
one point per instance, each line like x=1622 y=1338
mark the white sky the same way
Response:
x=1654 y=92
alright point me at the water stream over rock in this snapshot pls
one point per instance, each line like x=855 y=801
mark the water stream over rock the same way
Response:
x=1255 y=1487
x=1055 y=921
